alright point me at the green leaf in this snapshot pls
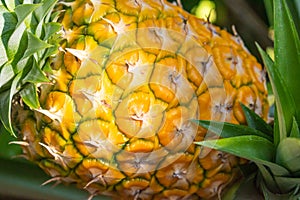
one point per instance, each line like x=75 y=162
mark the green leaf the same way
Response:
x=227 y=130
x=6 y=74
x=8 y=23
x=285 y=106
x=294 y=6
x=35 y=45
x=292 y=180
x=35 y=75
x=15 y=40
x=267 y=177
x=51 y=28
x=23 y=11
x=279 y=195
x=50 y=52
x=269 y=11
x=288 y=154
x=5 y=104
x=256 y=122
x=297 y=7
x=11 y=5
x=4 y=115
x=42 y=14
x=29 y=96
x=251 y=147
x=295 y=132
x=287 y=184
x=287 y=55
x=6 y=29
x=44 y=9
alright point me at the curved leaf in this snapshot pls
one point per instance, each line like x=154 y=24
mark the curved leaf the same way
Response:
x=288 y=154
x=35 y=75
x=5 y=104
x=295 y=132
x=23 y=11
x=35 y=45
x=287 y=54
x=29 y=96
x=287 y=184
x=251 y=147
x=279 y=195
x=269 y=11
x=14 y=41
x=285 y=106
x=255 y=121
x=268 y=177
x=44 y=9
x=6 y=74
x=226 y=130
x=50 y=29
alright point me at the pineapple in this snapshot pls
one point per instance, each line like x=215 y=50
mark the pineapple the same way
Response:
x=103 y=94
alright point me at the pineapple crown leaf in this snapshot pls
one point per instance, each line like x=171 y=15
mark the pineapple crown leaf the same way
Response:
x=289 y=191
x=251 y=147
x=28 y=98
x=256 y=122
x=5 y=103
x=287 y=53
x=228 y=130
x=28 y=39
x=23 y=11
x=295 y=132
x=283 y=98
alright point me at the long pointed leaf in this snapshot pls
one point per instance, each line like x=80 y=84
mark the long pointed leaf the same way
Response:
x=15 y=40
x=42 y=14
x=43 y=10
x=6 y=74
x=226 y=130
x=29 y=96
x=278 y=195
x=294 y=6
x=50 y=29
x=6 y=29
x=251 y=147
x=35 y=45
x=292 y=180
x=5 y=104
x=295 y=132
x=285 y=106
x=23 y=11
x=35 y=75
x=287 y=183
x=287 y=54
x=268 y=177
x=256 y=122
x=269 y=11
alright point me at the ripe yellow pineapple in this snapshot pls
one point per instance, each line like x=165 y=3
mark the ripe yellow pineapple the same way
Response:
x=126 y=82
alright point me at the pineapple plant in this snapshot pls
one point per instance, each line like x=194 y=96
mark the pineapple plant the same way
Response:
x=103 y=94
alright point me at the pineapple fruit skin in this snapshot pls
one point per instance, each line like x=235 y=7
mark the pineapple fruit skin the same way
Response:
x=129 y=77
